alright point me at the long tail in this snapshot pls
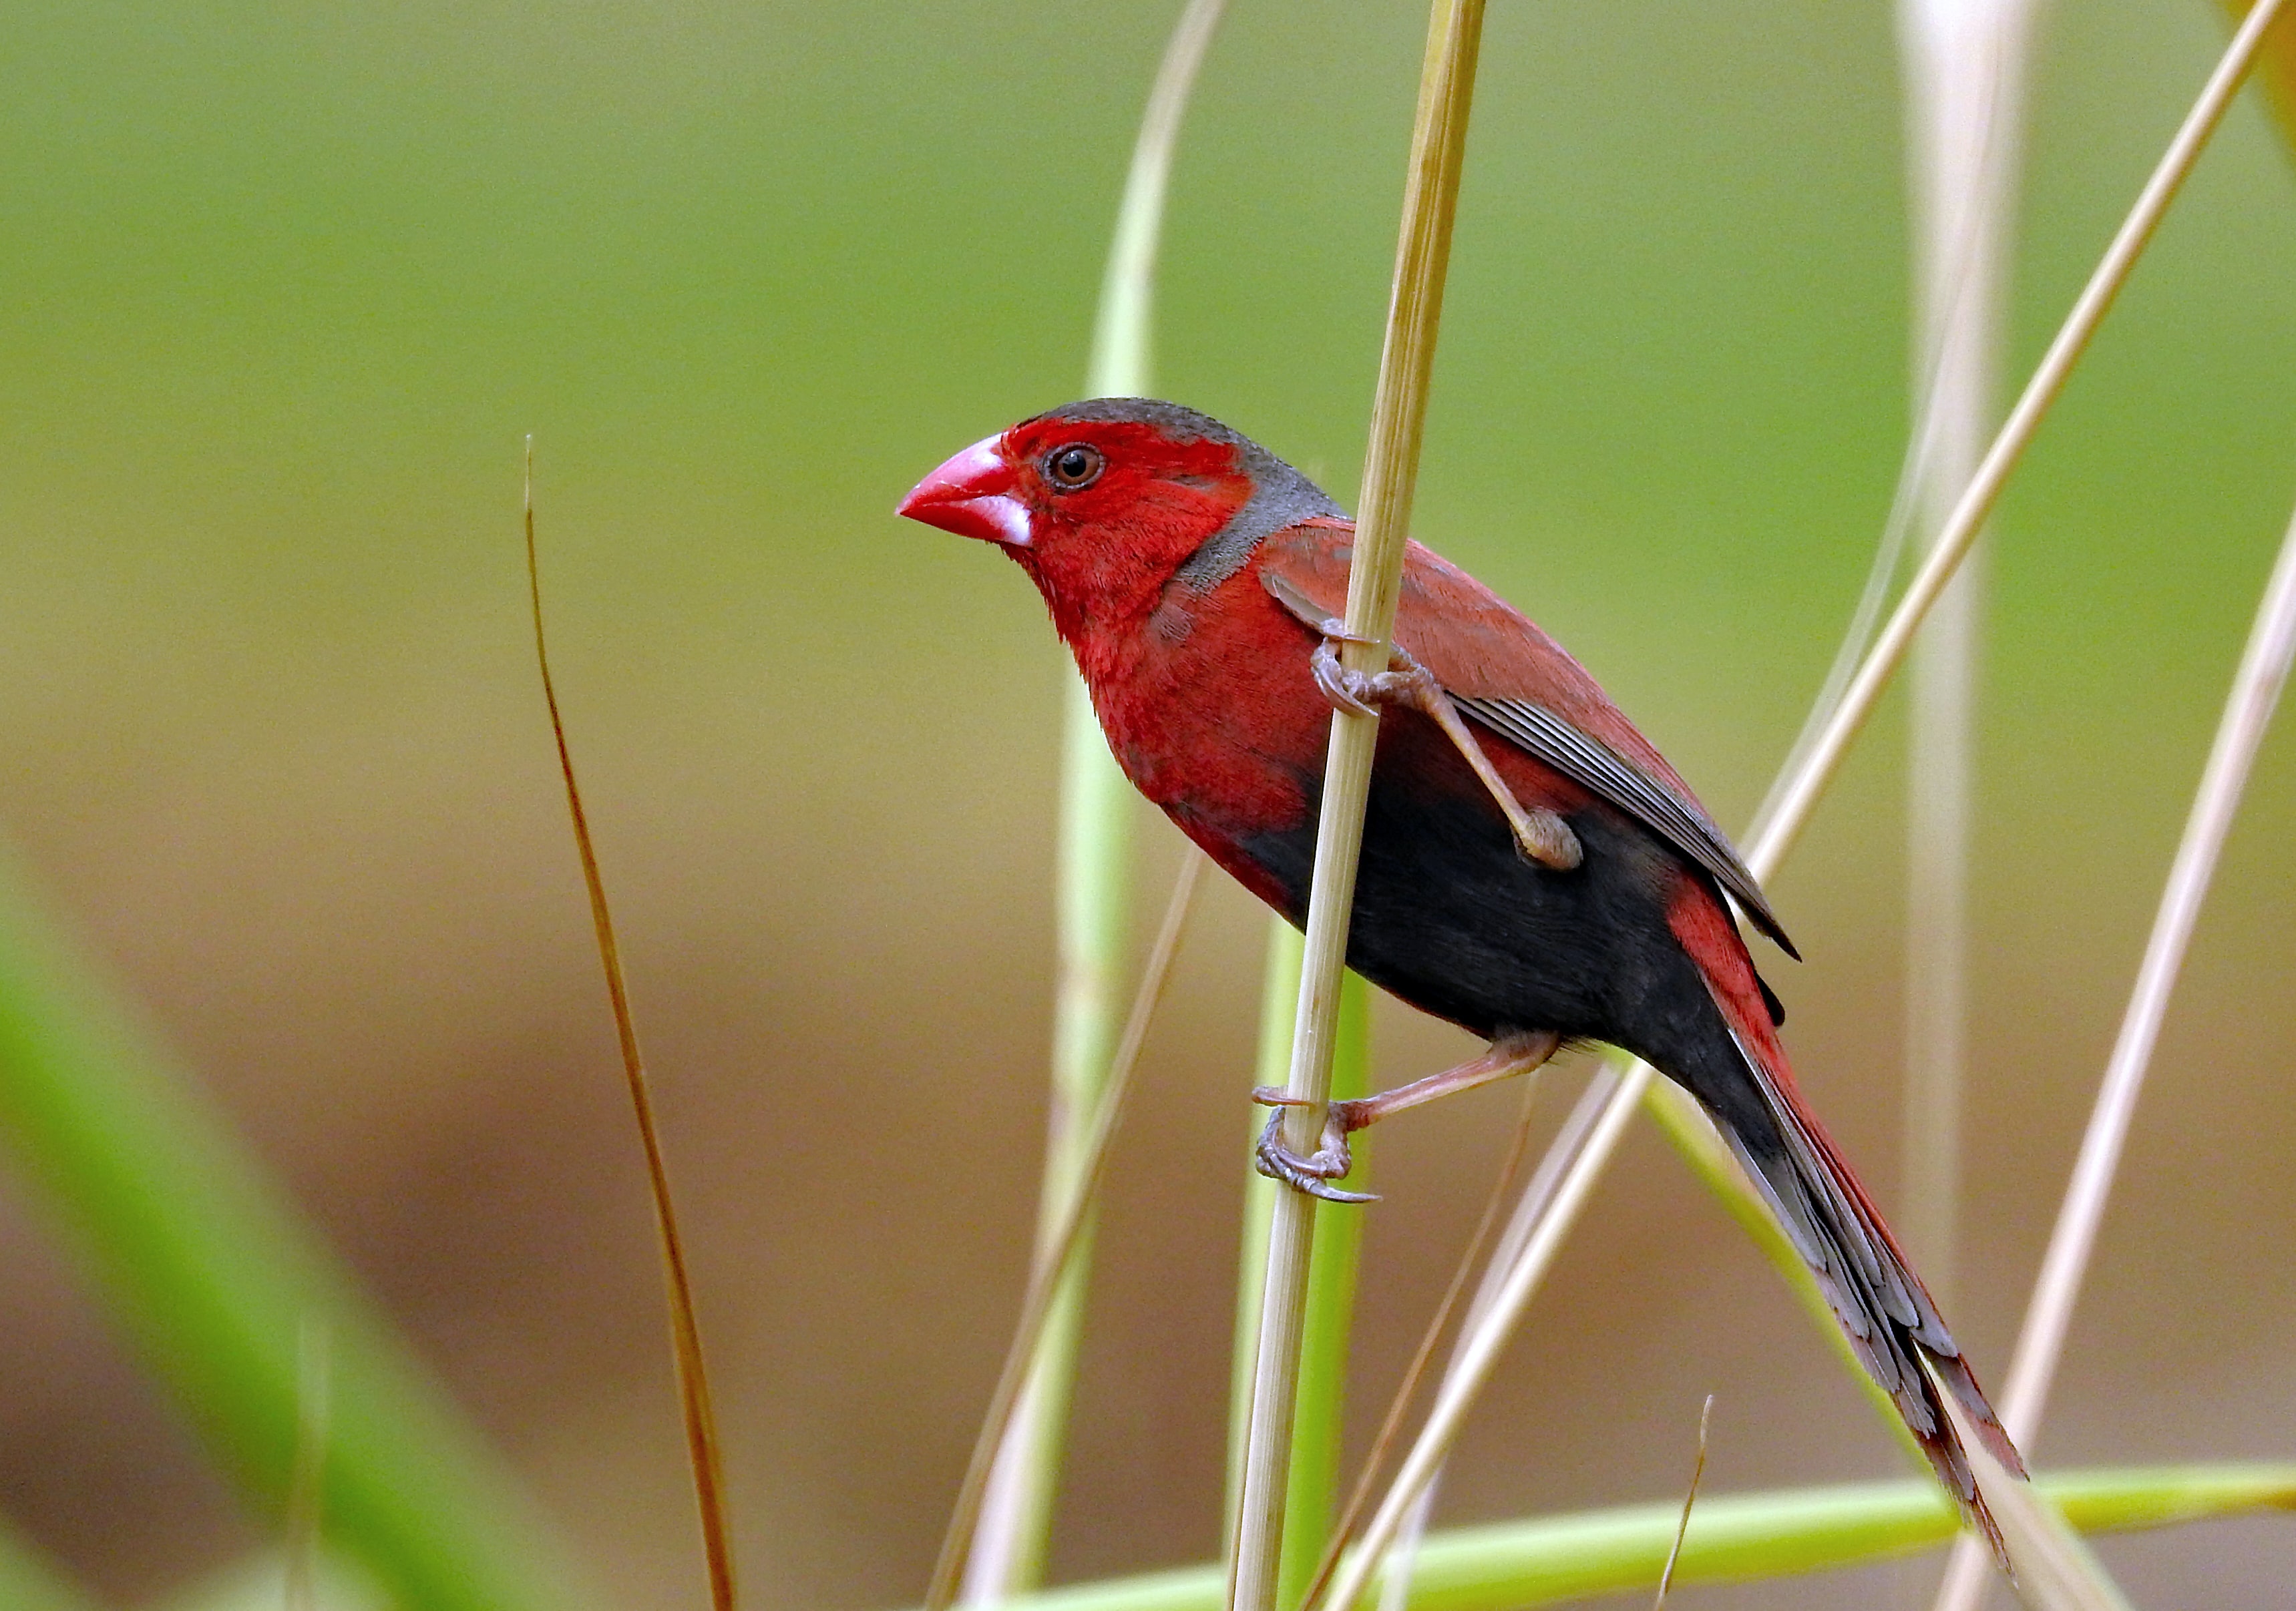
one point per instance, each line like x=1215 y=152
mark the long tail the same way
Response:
x=1892 y=1324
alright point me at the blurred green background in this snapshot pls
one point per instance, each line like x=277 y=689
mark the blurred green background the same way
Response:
x=284 y=288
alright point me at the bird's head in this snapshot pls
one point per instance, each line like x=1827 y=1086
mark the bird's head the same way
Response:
x=1105 y=502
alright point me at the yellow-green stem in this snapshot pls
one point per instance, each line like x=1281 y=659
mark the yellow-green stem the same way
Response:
x=1390 y=475
x=1319 y=1420
x=1732 y=1538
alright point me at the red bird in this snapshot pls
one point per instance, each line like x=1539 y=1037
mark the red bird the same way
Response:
x=1542 y=876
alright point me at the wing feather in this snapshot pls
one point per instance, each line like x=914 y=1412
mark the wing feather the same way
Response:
x=1517 y=682
x=1594 y=765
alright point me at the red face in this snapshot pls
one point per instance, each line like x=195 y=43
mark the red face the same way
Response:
x=1100 y=511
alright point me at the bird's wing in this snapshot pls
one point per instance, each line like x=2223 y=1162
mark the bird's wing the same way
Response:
x=1505 y=673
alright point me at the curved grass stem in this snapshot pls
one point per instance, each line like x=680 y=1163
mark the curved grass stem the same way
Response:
x=1004 y=1553
x=1415 y=1373
x=1732 y=1538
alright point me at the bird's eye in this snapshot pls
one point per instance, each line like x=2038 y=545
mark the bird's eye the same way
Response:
x=1073 y=467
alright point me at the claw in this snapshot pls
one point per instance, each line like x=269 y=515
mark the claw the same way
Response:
x=1337 y=683
x=1333 y=1194
x=1311 y=1176
x=1359 y=691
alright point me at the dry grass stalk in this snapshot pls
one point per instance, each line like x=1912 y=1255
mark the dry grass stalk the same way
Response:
x=1403 y=1555
x=2056 y=1569
x=1774 y=838
x=1964 y=86
x=1054 y=1253
x=1391 y=477
x=1536 y=1194
x=685 y=1330
x=1414 y=1373
x=2247 y=711
x=1689 y=1500
x=1480 y=1345
x=1123 y=330
x=1800 y=798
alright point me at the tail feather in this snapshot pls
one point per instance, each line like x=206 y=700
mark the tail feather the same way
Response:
x=1892 y=1324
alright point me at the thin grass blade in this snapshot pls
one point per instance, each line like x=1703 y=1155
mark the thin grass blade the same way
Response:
x=1055 y=1258
x=1965 y=72
x=699 y=1418
x=1964 y=81
x=1538 y=1192
x=1407 y=1389
x=1006 y=1551
x=1689 y=1502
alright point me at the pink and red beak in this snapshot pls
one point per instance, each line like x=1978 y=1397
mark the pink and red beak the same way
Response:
x=971 y=495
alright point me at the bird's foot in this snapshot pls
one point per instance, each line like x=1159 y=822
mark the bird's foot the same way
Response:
x=1331 y=1160
x=1540 y=835
x=1406 y=682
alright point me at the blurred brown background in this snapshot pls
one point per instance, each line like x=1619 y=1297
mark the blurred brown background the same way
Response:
x=287 y=287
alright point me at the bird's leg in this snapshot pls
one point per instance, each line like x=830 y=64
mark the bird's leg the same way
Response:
x=1540 y=834
x=1510 y=1054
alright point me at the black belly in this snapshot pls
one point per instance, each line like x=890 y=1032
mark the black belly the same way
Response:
x=1450 y=918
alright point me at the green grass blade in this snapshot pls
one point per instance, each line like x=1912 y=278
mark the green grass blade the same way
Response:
x=2033 y=1528
x=1375 y=578
x=213 y=1274
x=1318 y=1421
x=1094 y=882
x=1684 y=1123
x=1732 y=1539
x=1279 y=989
